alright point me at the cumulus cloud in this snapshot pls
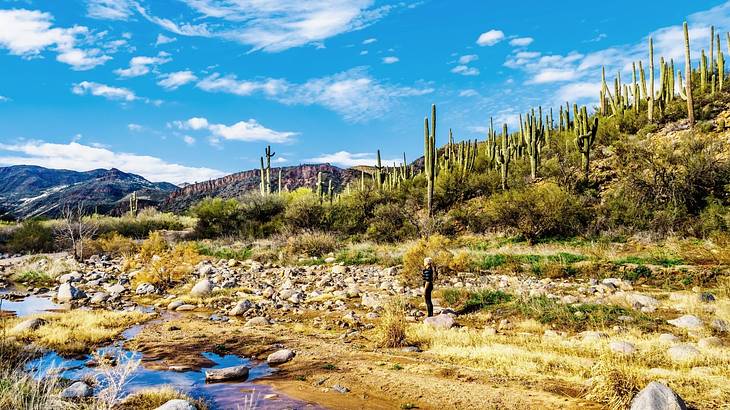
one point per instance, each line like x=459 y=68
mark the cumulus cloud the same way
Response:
x=465 y=70
x=135 y=127
x=390 y=60
x=466 y=59
x=248 y=131
x=189 y=140
x=172 y=81
x=109 y=9
x=27 y=33
x=553 y=75
x=141 y=65
x=80 y=157
x=490 y=38
x=348 y=159
x=230 y=84
x=521 y=41
x=163 y=39
x=103 y=90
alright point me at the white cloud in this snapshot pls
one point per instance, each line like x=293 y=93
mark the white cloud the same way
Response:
x=280 y=160
x=103 y=90
x=141 y=65
x=4 y=98
x=490 y=38
x=354 y=94
x=189 y=140
x=248 y=131
x=552 y=76
x=466 y=59
x=274 y=26
x=363 y=52
x=369 y=40
x=109 y=9
x=390 y=60
x=27 y=33
x=586 y=92
x=172 y=81
x=81 y=157
x=465 y=70
x=468 y=93
x=348 y=159
x=521 y=41
x=163 y=39
x=135 y=127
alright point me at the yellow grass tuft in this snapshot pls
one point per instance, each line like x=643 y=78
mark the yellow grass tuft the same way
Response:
x=391 y=331
x=149 y=399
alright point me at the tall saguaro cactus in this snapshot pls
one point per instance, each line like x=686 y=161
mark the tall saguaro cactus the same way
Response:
x=132 y=204
x=688 y=71
x=534 y=136
x=585 y=136
x=429 y=154
x=650 y=96
x=504 y=156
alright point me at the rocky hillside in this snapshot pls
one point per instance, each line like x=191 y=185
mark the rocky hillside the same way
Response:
x=235 y=185
x=32 y=191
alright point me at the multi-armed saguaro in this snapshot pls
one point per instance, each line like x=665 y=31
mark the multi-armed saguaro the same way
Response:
x=504 y=156
x=585 y=136
x=430 y=154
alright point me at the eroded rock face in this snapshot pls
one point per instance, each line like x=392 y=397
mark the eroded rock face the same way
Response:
x=177 y=404
x=280 y=356
x=227 y=374
x=657 y=396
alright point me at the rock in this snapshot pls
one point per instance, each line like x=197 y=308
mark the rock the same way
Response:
x=683 y=352
x=116 y=289
x=70 y=277
x=28 y=324
x=370 y=301
x=706 y=297
x=185 y=308
x=240 y=308
x=145 y=289
x=592 y=336
x=340 y=389
x=177 y=404
x=77 y=390
x=257 y=321
x=440 y=321
x=720 y=326
x=340 y=269
x=67 y=293
x=657 y=396
x=641 y=302
x=205 y=270
x=175 y=304
x=330 y=259
x=411 y=349
x=99 y=297
x=622 y=347
x=202 y=288
x=686 y=322
x=227 y=374
x=668 y=338
x=280 y=356
x=709 y=342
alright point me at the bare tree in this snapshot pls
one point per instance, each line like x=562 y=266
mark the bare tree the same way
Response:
x=75 y=228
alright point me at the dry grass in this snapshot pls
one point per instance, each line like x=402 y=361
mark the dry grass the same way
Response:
x=149 y=399
x=391 y=330
x=606 y=377
x=171 y=266
x=78 y=331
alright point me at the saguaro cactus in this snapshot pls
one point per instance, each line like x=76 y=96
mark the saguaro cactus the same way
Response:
x=650 y=96
x=688 y=71
x=504 y=156
x=585 y=136
x=534 y=136
x=429 y=154
x=132 y=204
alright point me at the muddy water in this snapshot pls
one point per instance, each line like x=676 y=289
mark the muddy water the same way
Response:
x=236 y=395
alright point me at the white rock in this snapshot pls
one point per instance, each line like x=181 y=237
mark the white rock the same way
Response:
x=280 y=356
x=67 y=293
x=257 y=321
x=710 y=342
x=687 y=322
x=657 y=396
x=202 y=288
x=440 y=321
x=177 y=404
x=683 y=352
x=28 y=324
x=622 y=347
x=668 y=338
x=77 y=390
x=227 y=373
x=145 y=289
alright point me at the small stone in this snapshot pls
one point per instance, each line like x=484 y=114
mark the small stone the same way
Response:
x=227 y=374
x=77 y=390
x=440 y=321
x=709 y=342
x=622 y=347
x=686 y=322
x=720 y=325
x=280 y=356
x=240 y=308
x=668 y=338
x=175 y=304
x=683 y=352
x=592 y=336
x=185 y=308
x=329 y=259
x=411 y=349
x=201 y=289
x=116 y=289
x=657 y=396
x=145 y=289
x=99 y=298
x=177 y=404
x=340 y=269
x=340 y=389
x=28 y=325
x=257 y=321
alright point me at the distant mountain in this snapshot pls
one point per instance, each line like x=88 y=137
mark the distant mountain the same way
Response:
x=31 y=191
x=235 y=185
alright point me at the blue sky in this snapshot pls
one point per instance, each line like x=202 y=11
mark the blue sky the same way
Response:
x=187 y=90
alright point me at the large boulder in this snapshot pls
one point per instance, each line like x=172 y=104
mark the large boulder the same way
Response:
x=77 y=390
x=440 y=321
x=687 y=322
x=177 y=404
x=622 y=347
x=657 y=396
x=683 y=352
x=257 y=321
x=28 y=324
x=201 y=289
x=227 y=374
x=641 y=302
x=240 y=308
x=280 y=356
x=145 y=289
x=67 y=292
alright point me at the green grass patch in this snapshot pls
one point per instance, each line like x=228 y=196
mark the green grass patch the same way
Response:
x=224 y=252
x=357 y=257
x=34 y=278
x=665 y=261
x=491 y=261
x=482 y=299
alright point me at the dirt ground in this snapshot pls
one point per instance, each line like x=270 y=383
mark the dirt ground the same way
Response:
x=377 y=378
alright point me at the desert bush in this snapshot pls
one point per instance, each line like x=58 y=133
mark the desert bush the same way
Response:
x=172 y=267
x=113 y=244
x=224 y=252
x=615 y=382
x=538 y=212
x=304 y=211
x=217 y=217
x=390 y=224
x=435 y=247
x=152 y=398
x=154 y=245
x=140 y=226
x=391 y=330
x=33 y=278
x=312 y=244
x=31 y=237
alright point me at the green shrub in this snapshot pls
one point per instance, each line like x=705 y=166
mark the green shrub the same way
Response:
x=537 y=212
x=30 y=237
x=224 y=252
x=489 y=262
x=216 y=217
x=304 y=211
x=34 y=278
x=390 y=224
x=312 y=244
x=484 y=298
